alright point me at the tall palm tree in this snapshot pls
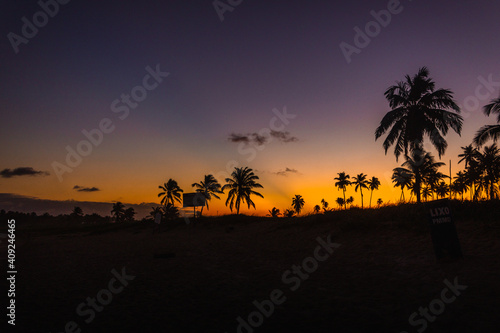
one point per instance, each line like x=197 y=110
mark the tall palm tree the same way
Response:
x=275 y=212
x=489 y=162
x=470 y=157
x=426 y=193
x=489 y=131
x=298 y=203
x=171 y=192
x=241 y=185
x=118 y=211
x=342 y=181
x=418 y=109
x=373 y=184
x=401 y=178
x=442 y=190
x=460 y=184
x=421 y=166
x=209 y=188
x=361 y=183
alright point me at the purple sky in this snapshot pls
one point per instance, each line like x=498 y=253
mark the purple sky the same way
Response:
x=227 y=77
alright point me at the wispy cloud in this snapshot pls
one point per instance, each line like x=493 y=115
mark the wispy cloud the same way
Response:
x=286 y=172
x=85 y=189
x=259 y=140
x=22 y=171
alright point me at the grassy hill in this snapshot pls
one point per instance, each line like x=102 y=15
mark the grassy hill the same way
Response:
x=205 y=275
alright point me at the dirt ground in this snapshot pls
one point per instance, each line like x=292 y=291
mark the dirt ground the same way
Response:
x=206 y=277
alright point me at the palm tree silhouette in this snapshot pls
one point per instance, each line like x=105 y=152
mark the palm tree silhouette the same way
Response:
x=340 y=202
x=379 y=202
x=241 y=185
x=433 y=178
x=470 y=157
x=373 y=184
x=288 y=213
x=489 y=162
x=349 y=201
x=209 y=188
x=361 y=183
x=298 y=203
x=460 y=185
x=77 y=212
x=128 y=215
x=171 y=192
x=324 y=204
x=275 y=212
x=426 y=193
x=342 y=181
x=489 y=131
x=118 y=211
x=442 y=189
x=420 y=165
x=418 y=109
x=401 y=178
x=170 y=211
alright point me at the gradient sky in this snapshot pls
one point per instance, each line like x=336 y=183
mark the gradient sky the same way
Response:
x=227 y=77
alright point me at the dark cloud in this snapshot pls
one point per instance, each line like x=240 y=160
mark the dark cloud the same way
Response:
x=85 y=189
x=286 y=172
x=22 y=171
x=259 y=139
x=238 y=138
x=283 y=136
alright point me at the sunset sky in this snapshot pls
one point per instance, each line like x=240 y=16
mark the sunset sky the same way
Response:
x=225 y=79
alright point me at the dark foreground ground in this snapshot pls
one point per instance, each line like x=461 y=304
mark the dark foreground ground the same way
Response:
x=202 y=277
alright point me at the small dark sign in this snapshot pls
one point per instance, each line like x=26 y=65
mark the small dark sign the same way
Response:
x=443 y=231
x=193 y=200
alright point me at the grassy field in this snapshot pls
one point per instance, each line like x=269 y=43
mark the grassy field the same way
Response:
x=208 y=276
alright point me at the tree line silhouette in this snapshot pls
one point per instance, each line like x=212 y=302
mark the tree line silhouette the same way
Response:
x=418 y=111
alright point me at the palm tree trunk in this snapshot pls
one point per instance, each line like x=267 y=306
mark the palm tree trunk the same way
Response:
x=345 y=204
x=361 y=191
x=418 y=182
x=371 y=194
